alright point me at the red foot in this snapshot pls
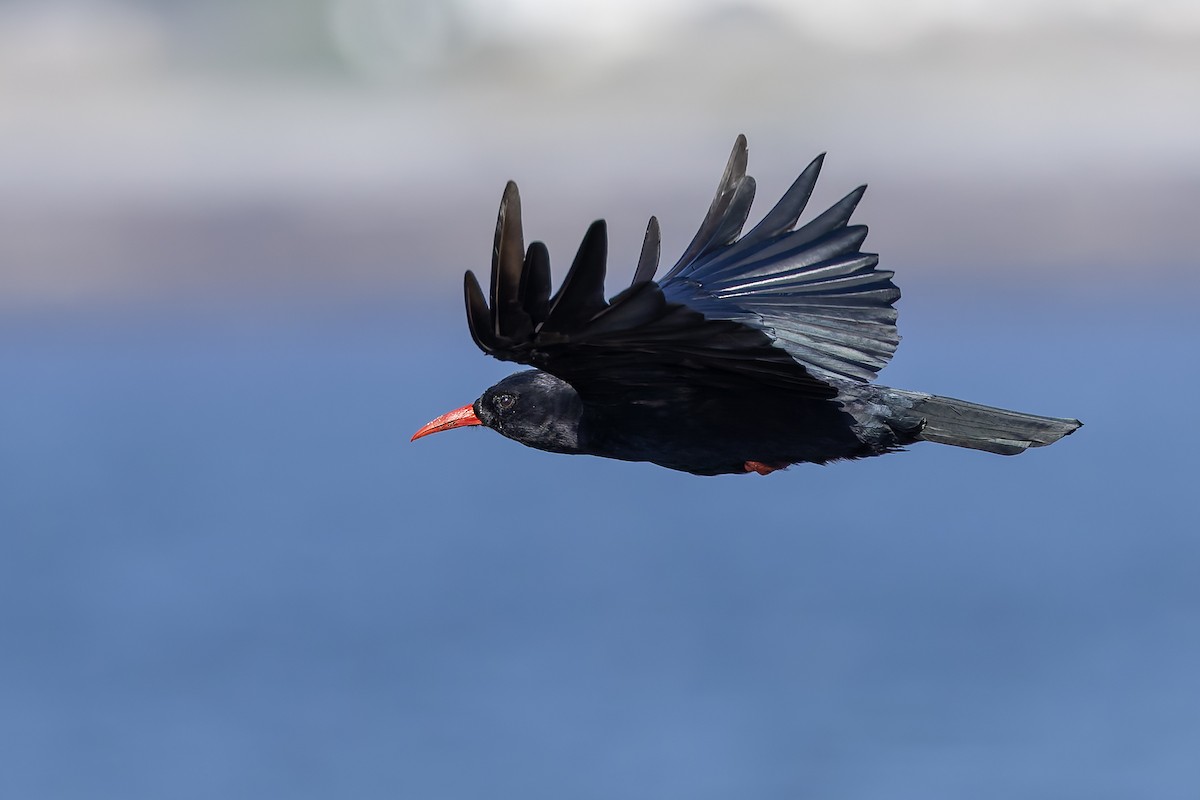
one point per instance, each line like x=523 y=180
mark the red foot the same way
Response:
x=761 y=468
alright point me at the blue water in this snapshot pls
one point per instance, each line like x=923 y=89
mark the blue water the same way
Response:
x=225 y=572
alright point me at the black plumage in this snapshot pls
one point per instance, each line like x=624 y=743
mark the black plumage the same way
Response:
x=753 y=352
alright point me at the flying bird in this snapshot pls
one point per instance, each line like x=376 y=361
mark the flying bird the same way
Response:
x=754 y=352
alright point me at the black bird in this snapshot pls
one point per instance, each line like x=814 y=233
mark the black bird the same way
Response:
x=752 y=353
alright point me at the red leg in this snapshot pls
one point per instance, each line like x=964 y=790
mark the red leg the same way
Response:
x=761 y=468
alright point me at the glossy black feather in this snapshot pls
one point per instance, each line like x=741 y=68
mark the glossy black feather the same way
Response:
x=479 y=319
x=581 y=295
x=724 y=205
x=651 y=252
x=535 y=283
x=508 y=264
x=782 y=218
x=788 y=283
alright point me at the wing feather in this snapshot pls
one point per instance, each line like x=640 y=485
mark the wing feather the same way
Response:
x=788 y=282
x=581 y=295
x=783 y=217
x=479 y=316
x=639 y=347
x=786 y=307
x=715 y=221
x=535 y=283
x=508 y=262
x=651 y=252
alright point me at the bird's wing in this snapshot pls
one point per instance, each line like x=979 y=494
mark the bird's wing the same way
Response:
x=811 y=290
x=638 y=347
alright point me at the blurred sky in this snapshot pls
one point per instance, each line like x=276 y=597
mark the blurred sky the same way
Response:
x=345 y=147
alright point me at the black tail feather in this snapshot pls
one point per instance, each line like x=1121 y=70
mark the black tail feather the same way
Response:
x=996 y=430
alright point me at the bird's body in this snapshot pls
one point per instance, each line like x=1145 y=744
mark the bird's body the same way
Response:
x=753 y=353
x=721 y=433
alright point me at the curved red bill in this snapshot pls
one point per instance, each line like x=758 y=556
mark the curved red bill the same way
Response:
x=457 y=418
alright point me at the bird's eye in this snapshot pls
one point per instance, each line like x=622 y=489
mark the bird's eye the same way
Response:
x=503 y=402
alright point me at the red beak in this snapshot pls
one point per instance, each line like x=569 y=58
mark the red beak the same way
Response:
x=457 y=418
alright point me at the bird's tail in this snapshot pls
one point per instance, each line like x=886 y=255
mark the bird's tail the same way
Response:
x=948 y=421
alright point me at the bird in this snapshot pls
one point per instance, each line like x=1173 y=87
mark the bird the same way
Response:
x=754 y=352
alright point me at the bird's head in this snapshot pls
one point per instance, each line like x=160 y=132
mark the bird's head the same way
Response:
x=532 y=407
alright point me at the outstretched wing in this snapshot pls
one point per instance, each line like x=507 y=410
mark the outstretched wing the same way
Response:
x=638 y=347
x=811 y=290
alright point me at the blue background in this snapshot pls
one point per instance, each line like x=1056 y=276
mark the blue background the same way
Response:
x=226 y=572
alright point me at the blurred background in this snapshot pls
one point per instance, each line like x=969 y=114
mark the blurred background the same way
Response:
x=231 y=245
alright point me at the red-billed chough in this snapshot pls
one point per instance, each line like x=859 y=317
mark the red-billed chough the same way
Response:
x=752 y=353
